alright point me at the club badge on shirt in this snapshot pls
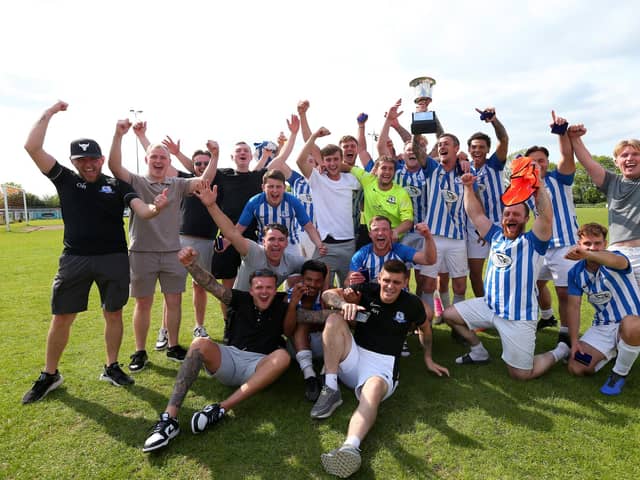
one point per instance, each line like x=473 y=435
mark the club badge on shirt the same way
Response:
x=399 y=317
x=106 y=189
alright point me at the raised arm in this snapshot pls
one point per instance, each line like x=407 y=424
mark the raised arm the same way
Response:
x=596 y=171
x=363 y=154
x=206 y=280
x=473 y=207
x=35 y=140
x=115 y=154
x=280 y=162
x=174 y=149
x=303 y=106
x=140 y=131
x=389 y=118
x=208 y=197
x=543 y=223
x=566 y=164
x=428 y=254
x=602 y=257
x=310 y=147
x=502 y=149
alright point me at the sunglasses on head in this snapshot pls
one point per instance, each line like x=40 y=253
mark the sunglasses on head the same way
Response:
x=201 y=164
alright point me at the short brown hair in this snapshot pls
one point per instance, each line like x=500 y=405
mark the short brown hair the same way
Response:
x=330 y=150
x=453 y=138
x=395 y=266
x=273 y=174
x=479 y=136
x=593 y=229
x=348 y=138
x=622 y=144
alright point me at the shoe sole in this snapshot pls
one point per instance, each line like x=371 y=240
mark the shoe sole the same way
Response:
x=136 y=370
x=160 y=349
x=161 y=445
x=178 y=360
x=107 y=378
x=51 y=388
x=341 y=464
x=328 y=413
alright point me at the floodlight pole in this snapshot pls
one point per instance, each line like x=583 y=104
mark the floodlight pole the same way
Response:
x=135 y=118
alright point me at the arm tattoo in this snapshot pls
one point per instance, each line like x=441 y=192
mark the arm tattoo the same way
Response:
x=333 y=299
x=419 y=151
x=312 y=316
x=187 y=374
x=501 y=132
x=209 y=283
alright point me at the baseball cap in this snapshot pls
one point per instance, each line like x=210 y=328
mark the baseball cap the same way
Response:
x=85 y=147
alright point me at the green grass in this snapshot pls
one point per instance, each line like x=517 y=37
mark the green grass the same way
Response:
x=477 y=424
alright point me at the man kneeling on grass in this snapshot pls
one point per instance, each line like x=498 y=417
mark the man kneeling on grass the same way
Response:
x=607 y=279
x=253 y=359
x=367 y=360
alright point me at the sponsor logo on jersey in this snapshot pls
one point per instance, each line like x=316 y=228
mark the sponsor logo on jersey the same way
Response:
x=500 y=260
x=481 y=187
x=413 y=191
x=399 y=317
x=449 y=196
x=81 y=185
x=305 y=198
x=600 y=298
x=391 y=199
x=106 y=189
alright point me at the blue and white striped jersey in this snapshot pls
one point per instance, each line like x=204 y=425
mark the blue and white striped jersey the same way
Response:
x=490 y=187
x=512 y=271
x=290 y=209
x=445 y=216
x=414 y=184
x=613 y=294
x=366 y=258
x=302 y=191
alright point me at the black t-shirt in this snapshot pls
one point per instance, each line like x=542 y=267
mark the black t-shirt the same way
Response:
x=92 y=212
x=196 y=220
x=234 y=191
x=255 y=331
x=388 y=323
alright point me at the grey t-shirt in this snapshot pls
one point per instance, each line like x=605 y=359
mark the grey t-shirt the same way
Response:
x=623 y=202
x=160 y=233
x=256 y=259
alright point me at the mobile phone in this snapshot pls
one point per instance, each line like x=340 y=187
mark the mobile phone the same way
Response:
x=583 y=358
x=559 y=129
x=362 y=316
x=486 y=115
x=365 y=273
x=218 y=243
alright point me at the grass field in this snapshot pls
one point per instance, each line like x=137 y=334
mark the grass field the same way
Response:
x=478 y=424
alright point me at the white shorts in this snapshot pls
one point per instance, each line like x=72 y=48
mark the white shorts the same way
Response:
x=413 y=240
x=555 y=267
x=362 y=364
x=306 y=247
x=476 y=246
x=633 y=254
x=452 y=258
x=236 y=366
x=203 y=246
x=518 y=337
x=603 y=338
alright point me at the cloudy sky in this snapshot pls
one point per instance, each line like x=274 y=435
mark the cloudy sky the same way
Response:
x=235 y=70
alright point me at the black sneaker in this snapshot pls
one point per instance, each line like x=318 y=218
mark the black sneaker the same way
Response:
x=138 y=360
x=311 y=388
x=564 y=338
x=176 y=353
x=114 y=374
x=45 y=383
x=546 y=322
x=209 y=415
x=161 y=433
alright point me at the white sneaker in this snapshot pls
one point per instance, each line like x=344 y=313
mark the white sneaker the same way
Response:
x=342 y=462
x=163 y=339
x=200 y=332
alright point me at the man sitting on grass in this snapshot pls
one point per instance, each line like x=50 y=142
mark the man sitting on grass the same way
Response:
x=95 y=249
x=252 y=360
x=367 y=360
x=608 y=281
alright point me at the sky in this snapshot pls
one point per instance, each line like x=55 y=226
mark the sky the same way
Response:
x=232 y=71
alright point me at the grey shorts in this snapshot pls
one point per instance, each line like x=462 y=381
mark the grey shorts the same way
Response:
x=148 y=267
x=76 y=274
x=203 y=246
x=236 y=366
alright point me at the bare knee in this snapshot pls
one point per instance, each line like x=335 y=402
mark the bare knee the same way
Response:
x=520 y=374
x=630 y=329
x=577 y=369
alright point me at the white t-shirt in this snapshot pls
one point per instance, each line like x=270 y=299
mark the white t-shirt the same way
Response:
x=332 y=204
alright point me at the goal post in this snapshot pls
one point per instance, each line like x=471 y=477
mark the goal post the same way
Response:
x=14 y=201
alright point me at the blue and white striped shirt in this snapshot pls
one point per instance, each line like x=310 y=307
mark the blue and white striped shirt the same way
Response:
x=512 y=271
x=445 y=216
x=414 y=184
x=290 y=209
x=301 y=189
x=366 y=258
x=613 y=293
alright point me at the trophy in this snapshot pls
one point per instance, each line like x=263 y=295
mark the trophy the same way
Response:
x=423 y=121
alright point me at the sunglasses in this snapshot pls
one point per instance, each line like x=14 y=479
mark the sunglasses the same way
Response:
x=201 y=164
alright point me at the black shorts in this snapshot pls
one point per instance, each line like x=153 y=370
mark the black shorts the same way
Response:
x=76 y=274
x=225 y=265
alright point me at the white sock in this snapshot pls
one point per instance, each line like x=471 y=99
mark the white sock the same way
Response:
x=331 y=380
x=445 y=299
x=478 y=352
x=305 y=360
x=561 y=351
x=458 y=298
x=546 y=314
x=563 y=329
x=627 y=354
x=353 y=441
